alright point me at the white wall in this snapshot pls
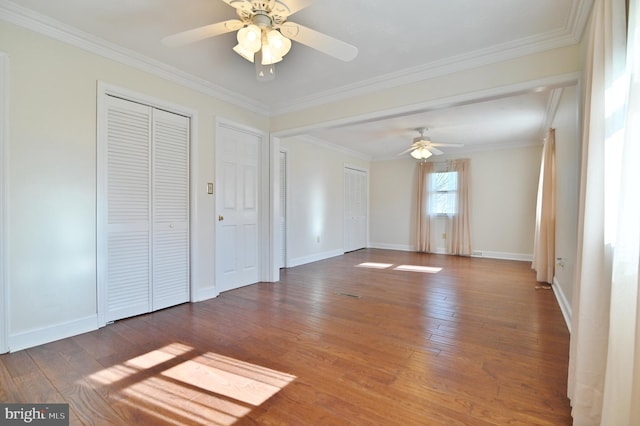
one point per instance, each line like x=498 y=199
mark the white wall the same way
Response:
x=503 y=198
x=315 y=198
x=52 y=179
x=568 y=176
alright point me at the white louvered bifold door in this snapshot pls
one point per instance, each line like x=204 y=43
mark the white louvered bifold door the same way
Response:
x=170 y=209
x=144 y=220
x=128 y=209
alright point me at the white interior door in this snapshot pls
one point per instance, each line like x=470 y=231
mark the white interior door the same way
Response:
x=170 y=194
x=127 y=214
x=355 y=209
x=237 y=231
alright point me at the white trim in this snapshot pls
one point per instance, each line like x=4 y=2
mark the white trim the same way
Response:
x=565 y=306
x=314 y=258
x=569 y=35
x=274 y=225
x=4 y=204
x=40 y=336
x=435 y=104
x=399 y=247
x=104 y=90
x=523 y=257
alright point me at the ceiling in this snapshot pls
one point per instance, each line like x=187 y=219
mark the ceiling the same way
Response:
x=398 y=41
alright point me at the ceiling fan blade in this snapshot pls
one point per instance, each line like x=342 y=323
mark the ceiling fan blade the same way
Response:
x=449 y=145
x=322 y=42
x=411 y=148
x=200 y=33
x=435 y=151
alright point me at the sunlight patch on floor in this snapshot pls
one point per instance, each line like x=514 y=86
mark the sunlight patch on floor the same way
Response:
x=411 y=268
x=418 y=268
x=374 y=265
x=180 y=385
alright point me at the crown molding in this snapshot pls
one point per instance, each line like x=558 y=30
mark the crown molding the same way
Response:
x=26 y=18
x=570 y=34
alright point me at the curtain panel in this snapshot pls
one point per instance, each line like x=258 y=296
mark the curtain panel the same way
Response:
x=423 y=226
x=460 y=241
x=604 y=359
x=545 y=233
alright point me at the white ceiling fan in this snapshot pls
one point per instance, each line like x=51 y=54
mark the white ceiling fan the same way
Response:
x=264 y=34
x=422 y=147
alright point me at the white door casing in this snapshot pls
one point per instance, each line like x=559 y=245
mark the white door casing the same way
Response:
x=237 y=205
x=4 y=170
x=282 y=216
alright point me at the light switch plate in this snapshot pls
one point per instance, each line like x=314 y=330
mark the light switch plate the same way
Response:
x=210 y=188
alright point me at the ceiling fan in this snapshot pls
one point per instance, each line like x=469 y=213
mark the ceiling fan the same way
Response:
x=264 y=34
x=422 y=147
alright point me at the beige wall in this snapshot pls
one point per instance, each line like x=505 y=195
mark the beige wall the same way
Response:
x=52 y=178
x=503 y=199
x=315 y=199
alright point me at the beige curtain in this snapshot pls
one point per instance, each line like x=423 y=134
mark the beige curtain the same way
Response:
x=545 y=234
x=460 y=241
x=423 y=228
x=604 y=359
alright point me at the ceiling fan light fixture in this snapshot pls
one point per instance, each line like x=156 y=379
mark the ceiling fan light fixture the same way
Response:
x=243 y=52
x=279 y=44
x=250 y=38
x=421 y=153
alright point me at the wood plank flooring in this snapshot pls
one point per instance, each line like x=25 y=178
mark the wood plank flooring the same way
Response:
x=334 y=342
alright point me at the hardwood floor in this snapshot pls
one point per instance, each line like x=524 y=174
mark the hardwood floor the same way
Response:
x=331 y=343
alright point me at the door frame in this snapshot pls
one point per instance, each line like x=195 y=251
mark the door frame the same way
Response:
x=281 y=245
x=4 y=202
x=103 y=91
x=266 y=219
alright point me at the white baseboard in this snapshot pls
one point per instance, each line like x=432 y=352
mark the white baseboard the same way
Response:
x=291 y=263
x=399 y=247
x=502 y=255
x=203 y=294
x=40 y=336
x=565 y=307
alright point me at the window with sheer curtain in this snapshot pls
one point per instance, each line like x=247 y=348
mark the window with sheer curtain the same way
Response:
x=445 y=194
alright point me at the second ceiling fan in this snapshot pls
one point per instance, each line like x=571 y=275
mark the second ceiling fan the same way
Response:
x=264 y=34
x=423 y=148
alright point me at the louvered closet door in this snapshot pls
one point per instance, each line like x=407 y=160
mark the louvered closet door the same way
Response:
x=128 y=209
x=170 y=209
x=147 y=209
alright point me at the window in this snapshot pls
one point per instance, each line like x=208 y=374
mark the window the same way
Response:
x=443 y=188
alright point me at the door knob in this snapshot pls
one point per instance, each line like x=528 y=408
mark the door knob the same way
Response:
x=220 y=217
